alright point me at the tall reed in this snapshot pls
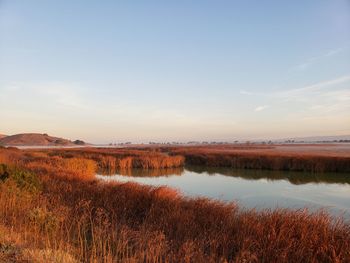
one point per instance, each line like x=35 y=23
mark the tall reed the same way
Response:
x=59 y=211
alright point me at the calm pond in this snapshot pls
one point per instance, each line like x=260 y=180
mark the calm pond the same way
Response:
x=251 y=188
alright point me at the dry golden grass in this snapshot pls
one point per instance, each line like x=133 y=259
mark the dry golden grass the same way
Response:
x=310 y=158
x=52 y=205
x=148 y=172
x=266 y=157
x=47 y=255
x=111 y=160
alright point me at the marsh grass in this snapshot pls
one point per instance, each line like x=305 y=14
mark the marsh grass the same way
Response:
x=253 y=158
x=73 y=218
x=116 y=159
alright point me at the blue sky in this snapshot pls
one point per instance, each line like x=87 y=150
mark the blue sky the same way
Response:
x=175 y=70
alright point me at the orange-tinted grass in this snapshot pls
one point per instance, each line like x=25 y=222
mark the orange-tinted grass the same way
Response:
x=115 y=222
x=264 y=158
x=114 y=159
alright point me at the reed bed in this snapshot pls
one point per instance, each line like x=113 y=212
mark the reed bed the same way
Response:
x=50 y=207
x=111 y=160
x=264 y=158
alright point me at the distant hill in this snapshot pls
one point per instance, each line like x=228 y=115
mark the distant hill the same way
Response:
x=2 y=136
x=37 y=139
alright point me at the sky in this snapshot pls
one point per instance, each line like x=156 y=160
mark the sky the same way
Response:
x=114 y=71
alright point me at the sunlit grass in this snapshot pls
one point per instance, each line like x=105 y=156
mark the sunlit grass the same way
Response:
x=262 y=158
x=71 y=217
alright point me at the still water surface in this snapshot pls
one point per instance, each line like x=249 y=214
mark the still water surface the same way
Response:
x=251 y=188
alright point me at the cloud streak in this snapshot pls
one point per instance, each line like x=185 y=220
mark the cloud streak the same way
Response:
x=313 y=88
x=323 y=98
x=311 y=61
x=61 y=94
x=319 y=86
x=261 y=108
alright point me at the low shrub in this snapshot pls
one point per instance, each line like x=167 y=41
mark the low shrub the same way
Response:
x=25 y=180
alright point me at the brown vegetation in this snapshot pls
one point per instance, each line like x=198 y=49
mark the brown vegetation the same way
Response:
x=308 y=158
x=111 y=160
x=266 y=158
x=152 y=172
x=50 y=208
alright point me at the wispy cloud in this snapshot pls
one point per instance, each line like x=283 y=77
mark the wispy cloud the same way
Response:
x=326 y=98
x=316 y=87
x=333 y=52
x=299 y=92
x=60 y=94
x=309 y=62
x=261 y=108
x=244 y=92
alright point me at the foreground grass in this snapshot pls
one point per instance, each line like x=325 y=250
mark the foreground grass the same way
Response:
x=51 y=208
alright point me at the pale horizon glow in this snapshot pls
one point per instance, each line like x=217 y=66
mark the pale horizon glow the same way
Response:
x=175 y=71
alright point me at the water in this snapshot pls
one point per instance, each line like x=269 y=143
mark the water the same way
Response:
x=251 y=188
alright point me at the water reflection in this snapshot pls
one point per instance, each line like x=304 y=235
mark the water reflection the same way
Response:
x=251 y=188
x=145 y=172
x=296 y=178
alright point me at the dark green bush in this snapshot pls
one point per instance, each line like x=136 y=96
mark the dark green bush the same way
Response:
x=4 y=174
x=25 y=180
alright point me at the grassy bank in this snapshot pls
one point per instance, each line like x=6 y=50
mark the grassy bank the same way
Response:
x=51 y=207
x=111 y=160
x=264 y=158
